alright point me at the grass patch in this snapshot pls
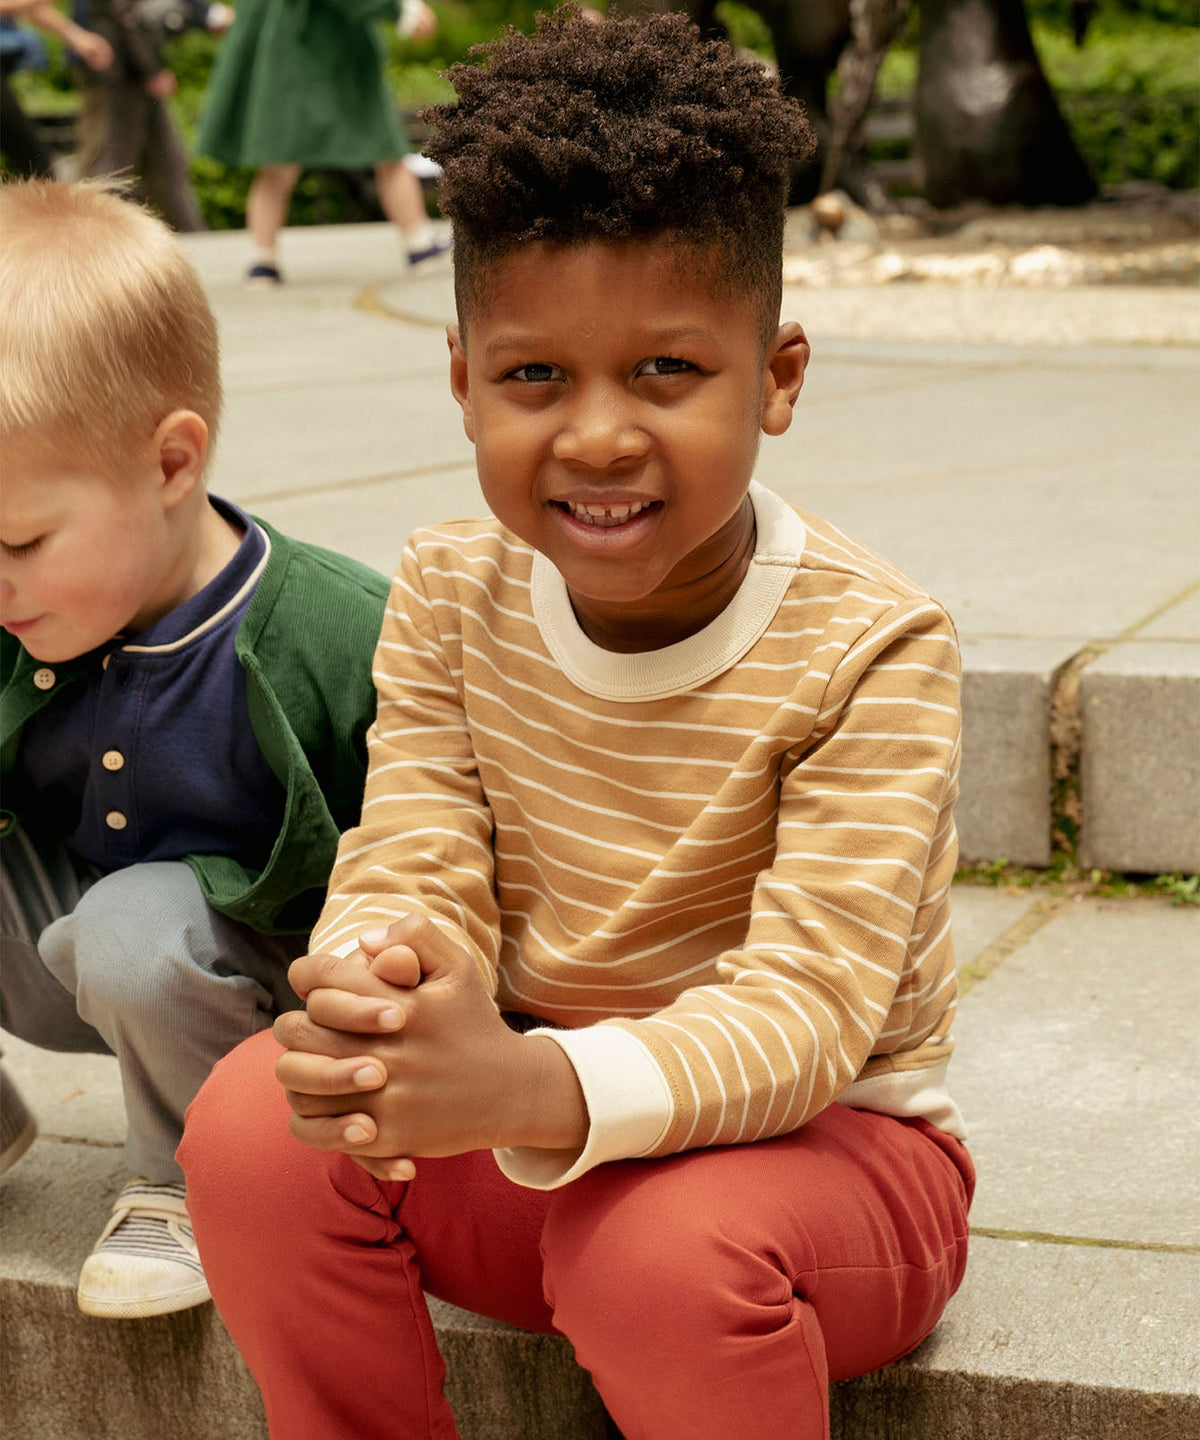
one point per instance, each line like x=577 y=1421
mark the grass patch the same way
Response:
x=1064 y=877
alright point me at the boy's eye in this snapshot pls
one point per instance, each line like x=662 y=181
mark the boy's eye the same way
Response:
x=535 y=374
x=18 y=552
x=665 y=365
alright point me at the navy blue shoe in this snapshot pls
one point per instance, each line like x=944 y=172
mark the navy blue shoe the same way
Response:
x=264 y=275
x=435 y=251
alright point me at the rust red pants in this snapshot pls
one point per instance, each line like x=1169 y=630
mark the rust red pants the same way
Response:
x=712 y=1295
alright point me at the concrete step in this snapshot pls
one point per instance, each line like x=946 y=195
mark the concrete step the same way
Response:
x=65 y=1376
x=1099 y=742
x=1077 y=1319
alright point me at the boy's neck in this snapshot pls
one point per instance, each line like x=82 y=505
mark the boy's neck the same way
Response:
x=219 y=540
x=674 y=613
x=211 y=545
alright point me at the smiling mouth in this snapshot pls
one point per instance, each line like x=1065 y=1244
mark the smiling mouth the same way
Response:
x=606 y=516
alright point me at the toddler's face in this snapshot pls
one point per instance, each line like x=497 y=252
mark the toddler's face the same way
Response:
x=83 y=556
x=616 y=405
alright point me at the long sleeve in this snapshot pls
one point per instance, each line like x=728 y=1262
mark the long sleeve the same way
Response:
x=424 y=842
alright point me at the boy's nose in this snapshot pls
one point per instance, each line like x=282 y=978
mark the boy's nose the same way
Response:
x=600 y=430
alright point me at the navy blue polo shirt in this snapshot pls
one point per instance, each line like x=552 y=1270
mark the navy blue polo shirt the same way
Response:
x=152 y=757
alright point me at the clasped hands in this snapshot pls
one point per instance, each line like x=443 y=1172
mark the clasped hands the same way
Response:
x=401 y=1053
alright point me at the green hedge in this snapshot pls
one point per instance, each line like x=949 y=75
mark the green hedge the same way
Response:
x=1152 y=137
x=1131 y=93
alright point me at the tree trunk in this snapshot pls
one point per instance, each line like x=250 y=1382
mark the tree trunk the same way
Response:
x=988 y=125
x=808 y=36
x=874 y=24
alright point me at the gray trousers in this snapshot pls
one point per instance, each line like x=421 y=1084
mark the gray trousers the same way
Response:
x=126 y=132
x=134 y=963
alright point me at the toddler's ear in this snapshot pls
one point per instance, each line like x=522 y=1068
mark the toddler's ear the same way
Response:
x=460 y=386
x=787 y=358
x=181 y=445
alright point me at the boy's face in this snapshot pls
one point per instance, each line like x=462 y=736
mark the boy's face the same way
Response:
x=83 y=556
x=616 y=400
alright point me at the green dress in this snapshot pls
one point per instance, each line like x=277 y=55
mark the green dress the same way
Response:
x=302 y=82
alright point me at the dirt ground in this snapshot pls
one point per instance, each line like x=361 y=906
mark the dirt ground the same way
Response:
x=1132 y=234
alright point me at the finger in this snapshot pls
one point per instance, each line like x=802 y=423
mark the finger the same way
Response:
x=351 y=1134
x=433 y=948
x=309 y=1074
x=341 y=1010
x=398 y=965
x=336 y=972
x=317 y=1107
x=294 y=1030
x=371 y=942
x=395 y=1171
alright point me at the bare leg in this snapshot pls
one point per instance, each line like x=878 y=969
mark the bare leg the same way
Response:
x=400 y=195
x=267 y=205
x=403 y=203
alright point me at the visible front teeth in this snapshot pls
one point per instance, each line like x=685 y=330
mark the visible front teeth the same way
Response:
x=606 y=514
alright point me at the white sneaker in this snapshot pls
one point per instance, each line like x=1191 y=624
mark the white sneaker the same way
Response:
x=145 y=1262
x=18 y=1128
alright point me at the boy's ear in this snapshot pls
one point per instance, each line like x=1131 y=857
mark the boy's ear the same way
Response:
x=787 y=357
x=180 y=447
x=460 y=386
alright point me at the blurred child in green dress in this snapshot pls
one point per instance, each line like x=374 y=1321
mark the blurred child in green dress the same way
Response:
x=302 y=87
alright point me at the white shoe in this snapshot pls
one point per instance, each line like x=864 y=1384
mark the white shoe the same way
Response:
x=18 y=1128
x=146 y=1261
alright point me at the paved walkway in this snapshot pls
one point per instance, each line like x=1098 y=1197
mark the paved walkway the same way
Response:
x=1029 y=455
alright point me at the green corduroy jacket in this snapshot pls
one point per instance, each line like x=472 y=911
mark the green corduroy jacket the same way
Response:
x=306 y=643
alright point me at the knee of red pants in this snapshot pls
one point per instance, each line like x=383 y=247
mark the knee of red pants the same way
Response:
x=860 y=1216
x=240 y=1097
x=251 y=1185
x=307 y=1265
x=241 y=1163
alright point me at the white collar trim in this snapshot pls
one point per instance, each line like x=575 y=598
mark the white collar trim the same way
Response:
x=215 y=619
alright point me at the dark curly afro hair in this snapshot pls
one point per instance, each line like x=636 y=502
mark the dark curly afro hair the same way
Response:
x=617 y=130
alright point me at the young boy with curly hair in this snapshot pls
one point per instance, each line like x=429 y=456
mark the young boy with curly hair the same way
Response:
x=637 y=1028
x=185 y=698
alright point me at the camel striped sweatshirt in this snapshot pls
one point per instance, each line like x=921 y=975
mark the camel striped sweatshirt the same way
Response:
x=718 y=871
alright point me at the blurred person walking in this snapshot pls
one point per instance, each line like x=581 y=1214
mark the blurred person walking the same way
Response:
x=302 y=86
x=19 y=140
x=126 y=124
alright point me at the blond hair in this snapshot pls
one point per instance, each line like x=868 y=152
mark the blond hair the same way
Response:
x=105 y=328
